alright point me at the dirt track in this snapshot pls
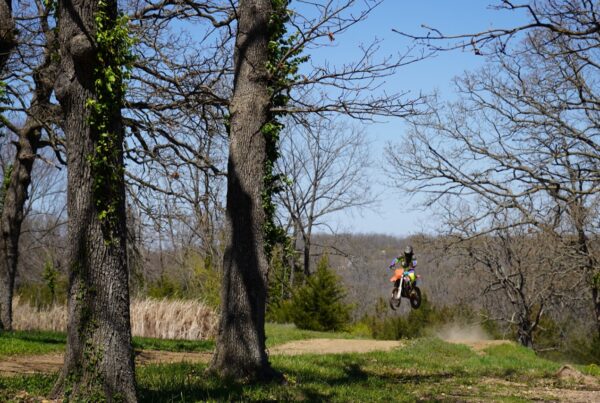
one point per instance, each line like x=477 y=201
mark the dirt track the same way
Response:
x=48 y=363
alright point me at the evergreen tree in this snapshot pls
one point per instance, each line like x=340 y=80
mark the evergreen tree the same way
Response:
x=319 y=304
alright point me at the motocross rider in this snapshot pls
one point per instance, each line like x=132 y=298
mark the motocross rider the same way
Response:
x=408 y=261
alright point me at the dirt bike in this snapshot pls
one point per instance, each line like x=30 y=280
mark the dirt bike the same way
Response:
x=403 y=287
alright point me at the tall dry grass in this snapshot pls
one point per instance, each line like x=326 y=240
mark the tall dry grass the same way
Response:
x=27 y=317
x=164 y=319
x=173 y=319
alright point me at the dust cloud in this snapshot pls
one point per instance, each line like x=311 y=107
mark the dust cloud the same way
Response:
x=454 y=332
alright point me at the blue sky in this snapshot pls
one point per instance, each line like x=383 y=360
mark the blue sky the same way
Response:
x=396 y=215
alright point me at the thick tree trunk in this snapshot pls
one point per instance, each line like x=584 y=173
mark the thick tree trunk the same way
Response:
x=99 y=357
x=7 y=31
x=240 y=351
x=17 y=190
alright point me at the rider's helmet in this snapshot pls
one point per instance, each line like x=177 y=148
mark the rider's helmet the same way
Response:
x=408 y=250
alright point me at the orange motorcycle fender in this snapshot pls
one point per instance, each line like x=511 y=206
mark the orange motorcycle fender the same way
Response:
x=398 y=273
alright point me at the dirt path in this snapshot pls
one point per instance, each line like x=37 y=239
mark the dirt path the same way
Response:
x=333 y=346
x=579 y=387
x=47 y=363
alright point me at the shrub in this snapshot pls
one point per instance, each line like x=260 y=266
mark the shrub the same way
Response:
x=319 y=305
x=206 y=283
x=44 y=295
x=400 y=327
x=164 y=287
x=202 y=282
x=280 y=311
x=418 y=323
x=283 y=275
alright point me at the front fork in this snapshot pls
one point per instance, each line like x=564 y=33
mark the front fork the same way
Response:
x=398 y=288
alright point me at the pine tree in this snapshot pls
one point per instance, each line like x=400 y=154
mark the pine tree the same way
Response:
x=319 y=304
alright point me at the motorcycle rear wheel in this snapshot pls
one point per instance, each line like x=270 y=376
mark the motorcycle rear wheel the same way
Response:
x=415 y=298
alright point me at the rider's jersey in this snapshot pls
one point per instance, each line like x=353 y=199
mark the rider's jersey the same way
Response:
x=409 y=267
x=401 y=260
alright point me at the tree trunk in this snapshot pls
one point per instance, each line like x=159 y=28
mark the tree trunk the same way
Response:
x=12 y=217
x=7 y=266
x=240 y=352
x=7 y=31
x=596 y=297
x=306 y=250
x=525 y=334
x=99 y=357
x=19 y=180
x=7 y=283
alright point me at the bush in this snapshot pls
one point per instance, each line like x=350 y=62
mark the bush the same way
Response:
x=319 y=305
x=418 y=323
x=203 y=282
x=206 y=283
x=44 y=295
x=401 y=327
x=164 y=287
x=280 y=312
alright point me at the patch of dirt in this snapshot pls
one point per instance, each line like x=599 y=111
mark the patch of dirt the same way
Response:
x=570 y=374
x=544 y=390
x=146 y=357
x=30 y=364
x=48 y=363
x=334 y=346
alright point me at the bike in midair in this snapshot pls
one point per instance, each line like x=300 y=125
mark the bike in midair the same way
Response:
x=404 y=287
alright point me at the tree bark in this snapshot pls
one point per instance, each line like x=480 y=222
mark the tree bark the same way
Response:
x=99 y=356
x=306 y=252
x=596 y=297
x=7 y=31
x=241 y=351
x=525 y=334
x=16 y=193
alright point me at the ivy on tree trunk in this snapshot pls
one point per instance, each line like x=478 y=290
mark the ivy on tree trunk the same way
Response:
x=261 y=74
x=94 y=47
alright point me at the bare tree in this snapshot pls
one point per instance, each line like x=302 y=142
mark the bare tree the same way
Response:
x=99 y=355
x=518 y=267
x=522 y=139
x=175 y=116
x=38 y=116
x=260 y=94
x=241 y=350
x=325 y=164
x=567 y=21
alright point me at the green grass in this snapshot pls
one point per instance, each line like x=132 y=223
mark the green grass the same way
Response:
x=424 y=369
x=31 y=343
x=33 y=385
